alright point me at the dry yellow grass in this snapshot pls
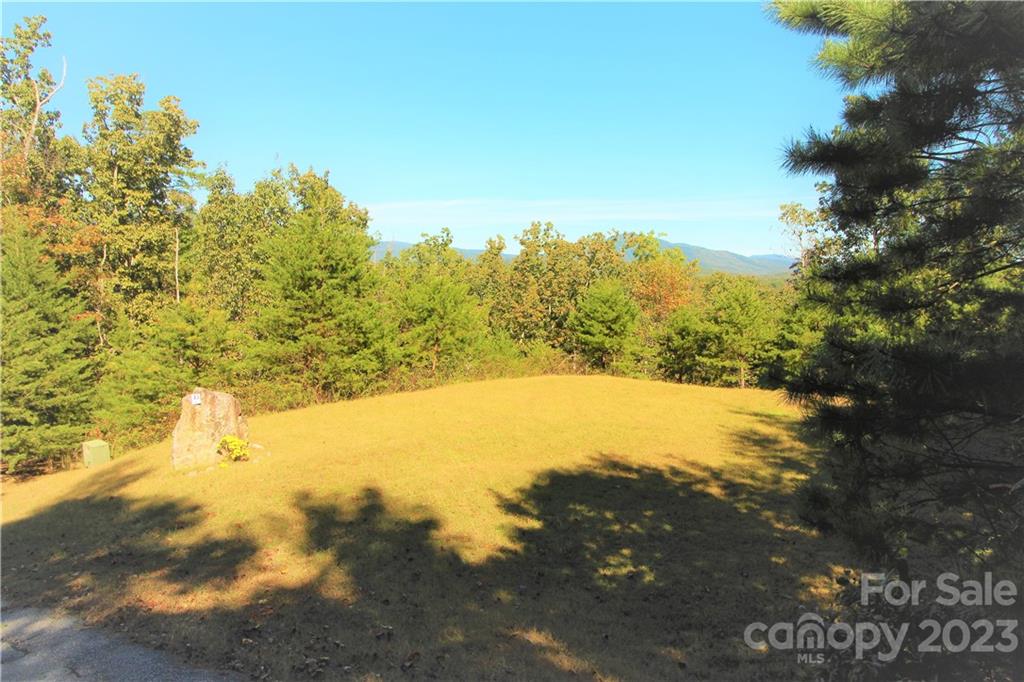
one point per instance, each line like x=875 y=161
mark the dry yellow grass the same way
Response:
x=517 y=529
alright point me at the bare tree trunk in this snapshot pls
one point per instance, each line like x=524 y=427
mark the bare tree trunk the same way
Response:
x=41 y=101
x=743 y=375
x=177 y=250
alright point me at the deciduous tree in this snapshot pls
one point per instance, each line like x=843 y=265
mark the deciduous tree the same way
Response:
x=133 y=174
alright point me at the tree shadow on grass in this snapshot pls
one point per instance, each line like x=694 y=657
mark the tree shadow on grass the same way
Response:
x=82 y=553
x=660 y=570
x=616 y=571
x=783 y=442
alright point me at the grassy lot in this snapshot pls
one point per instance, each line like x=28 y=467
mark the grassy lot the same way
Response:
x=540 y=528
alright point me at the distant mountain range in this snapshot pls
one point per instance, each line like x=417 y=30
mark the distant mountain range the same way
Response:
x=713 y=260
x=710 y=260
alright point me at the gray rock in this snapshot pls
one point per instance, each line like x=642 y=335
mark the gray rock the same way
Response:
x=206 y=417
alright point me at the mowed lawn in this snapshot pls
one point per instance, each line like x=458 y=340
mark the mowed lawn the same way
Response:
x=540 y=528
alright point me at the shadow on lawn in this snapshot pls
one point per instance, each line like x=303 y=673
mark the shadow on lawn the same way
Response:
x=105 y=541
x=770 y=441
x=618 y=571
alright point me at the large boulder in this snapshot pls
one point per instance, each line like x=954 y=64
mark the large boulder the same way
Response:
x=206 y=417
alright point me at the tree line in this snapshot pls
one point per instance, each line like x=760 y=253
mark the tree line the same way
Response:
x=123 y=290
x=901 y=329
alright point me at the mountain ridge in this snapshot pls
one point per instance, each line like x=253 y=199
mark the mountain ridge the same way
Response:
x=709 y=260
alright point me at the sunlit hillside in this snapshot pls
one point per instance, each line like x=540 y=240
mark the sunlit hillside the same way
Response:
x=530 y=527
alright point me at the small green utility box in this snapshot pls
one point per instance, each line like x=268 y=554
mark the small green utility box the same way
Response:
x=95 y=452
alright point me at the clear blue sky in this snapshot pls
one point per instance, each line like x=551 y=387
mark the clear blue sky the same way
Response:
x=481 y=117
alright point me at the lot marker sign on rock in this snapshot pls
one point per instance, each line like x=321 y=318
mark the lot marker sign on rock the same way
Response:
x=206 y=417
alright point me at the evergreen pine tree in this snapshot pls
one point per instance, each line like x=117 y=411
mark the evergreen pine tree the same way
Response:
x=439 y=321
x=602 y=322
x=741 y=317
x=150 y=366
x=919 y=376
x=437 y=316
x=47 y=370
x=728 y=340
x=321 y=323
x=684 y=346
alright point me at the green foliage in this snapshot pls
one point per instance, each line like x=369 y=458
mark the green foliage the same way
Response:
x=684 y=346
x=602 y=322
x=537 y=296
x=439 y=322
x=917 y=378
x=321 y=324
x=134 y=175
x=533 y=297
x=30 y=150
x=48 y=375
x=800 y=334
x=729 y=339
x=235 y=449
x=229 y=249
x=742 y=315
x=151 y=366
x=19 y=82
x=272 y=294
x=489 y=281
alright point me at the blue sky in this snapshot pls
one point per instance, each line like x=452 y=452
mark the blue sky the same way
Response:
x=481 y=117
